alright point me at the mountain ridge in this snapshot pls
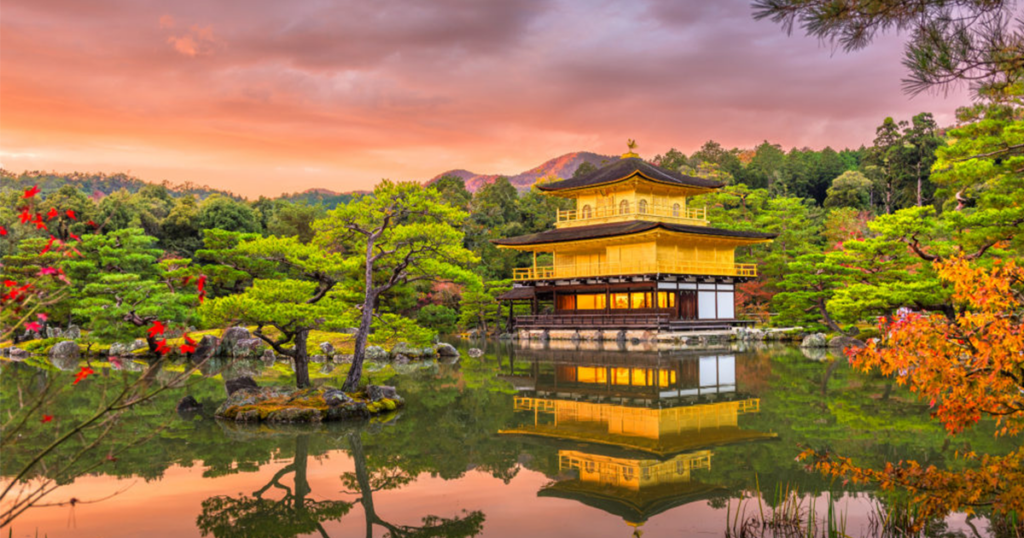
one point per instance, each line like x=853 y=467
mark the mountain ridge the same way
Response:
x=562 y=167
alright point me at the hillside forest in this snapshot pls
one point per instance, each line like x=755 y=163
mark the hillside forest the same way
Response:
x=857 y=232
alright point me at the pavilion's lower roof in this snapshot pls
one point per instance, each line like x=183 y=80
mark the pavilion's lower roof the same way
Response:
x=616 y=229
x=633 y=506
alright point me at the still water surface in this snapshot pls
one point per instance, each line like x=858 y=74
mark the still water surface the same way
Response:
x=589 y=440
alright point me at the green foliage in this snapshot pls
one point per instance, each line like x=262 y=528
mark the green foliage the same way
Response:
x=480 y=309
x=294 y=220
x=223 y=213
x=851 y=189
x=229 y=269
x=810 y=282
x=121 y=286
x=179 y=231
x=438 y=317
x=453 y=190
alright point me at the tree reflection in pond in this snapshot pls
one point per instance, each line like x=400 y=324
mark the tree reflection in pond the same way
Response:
x=366 y=481
x=296 y=513
x=255 y=516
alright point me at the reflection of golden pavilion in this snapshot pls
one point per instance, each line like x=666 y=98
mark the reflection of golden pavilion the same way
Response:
x=633 y=489
x=631 y=428
x=661 y=432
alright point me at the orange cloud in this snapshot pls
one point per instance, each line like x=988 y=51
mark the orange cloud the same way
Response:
x=198 y=41
x=340 y=94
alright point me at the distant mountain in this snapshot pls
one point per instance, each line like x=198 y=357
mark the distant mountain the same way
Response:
x=561 y=167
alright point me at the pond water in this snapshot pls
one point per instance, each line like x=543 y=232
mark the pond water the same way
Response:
x=558 y=440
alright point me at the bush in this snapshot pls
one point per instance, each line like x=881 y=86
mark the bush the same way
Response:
x=438 y=317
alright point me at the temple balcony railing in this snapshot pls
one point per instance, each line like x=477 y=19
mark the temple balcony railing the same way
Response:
x=586 y=270
x=632 y=211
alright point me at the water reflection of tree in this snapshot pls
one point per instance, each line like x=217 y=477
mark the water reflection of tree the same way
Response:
x=254 y=516
x=366 y=481
x=296 y=513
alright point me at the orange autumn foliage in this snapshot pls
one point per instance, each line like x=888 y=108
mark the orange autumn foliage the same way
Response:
x=966 y=368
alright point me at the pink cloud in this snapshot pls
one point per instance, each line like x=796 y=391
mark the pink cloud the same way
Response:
x=198 y=41
x=341 y=94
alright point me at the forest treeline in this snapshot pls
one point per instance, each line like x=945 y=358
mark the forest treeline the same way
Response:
x=856 y=232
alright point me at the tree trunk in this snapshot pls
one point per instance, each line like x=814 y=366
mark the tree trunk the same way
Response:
x=355 y=374
x=827 y=318
x=301 y=359
x=920 y=199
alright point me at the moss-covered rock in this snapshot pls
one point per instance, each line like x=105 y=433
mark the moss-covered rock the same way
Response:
x=276 y=404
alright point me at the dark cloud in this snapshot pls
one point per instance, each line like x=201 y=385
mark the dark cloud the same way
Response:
x=235 y=92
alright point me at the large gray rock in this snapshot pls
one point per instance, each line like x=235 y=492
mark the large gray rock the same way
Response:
x=117 y=349
x=375 y=353
x=73 y=332
x=335 y=397
x=475 y=352
x=748 y=335
x=817 y=354
x=17 y=354
x=206 y=348
x=247 y=347
x=378 y=392
x=65 y=349
x=327 y=348
x=446 y=350
x=239 y=383
x=268 y=357
x=54 y=332
x=231 y=336
x=138 y=343
x=188 y=403
x=814 y=340
x=403 y=348
x=841 y=343
x=319 y=359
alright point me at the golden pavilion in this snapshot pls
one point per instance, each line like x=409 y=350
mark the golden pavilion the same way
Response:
x=633 y=254
x=633 y=429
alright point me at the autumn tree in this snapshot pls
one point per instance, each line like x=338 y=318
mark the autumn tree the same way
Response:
x=967 y=368
x=400 y=234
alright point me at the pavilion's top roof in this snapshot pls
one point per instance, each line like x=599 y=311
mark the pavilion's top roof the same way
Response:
x=625 y=168
x=614 y=229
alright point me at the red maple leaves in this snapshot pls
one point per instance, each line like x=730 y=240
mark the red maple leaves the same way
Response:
x=201 y=287
x=29 y=193
x=189 y=346
x=82 y=374
x=157 y=328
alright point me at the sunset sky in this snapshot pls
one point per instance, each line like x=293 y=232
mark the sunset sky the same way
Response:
x=264 y=97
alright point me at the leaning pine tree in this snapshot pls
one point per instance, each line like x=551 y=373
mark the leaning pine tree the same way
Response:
x=402 y=233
